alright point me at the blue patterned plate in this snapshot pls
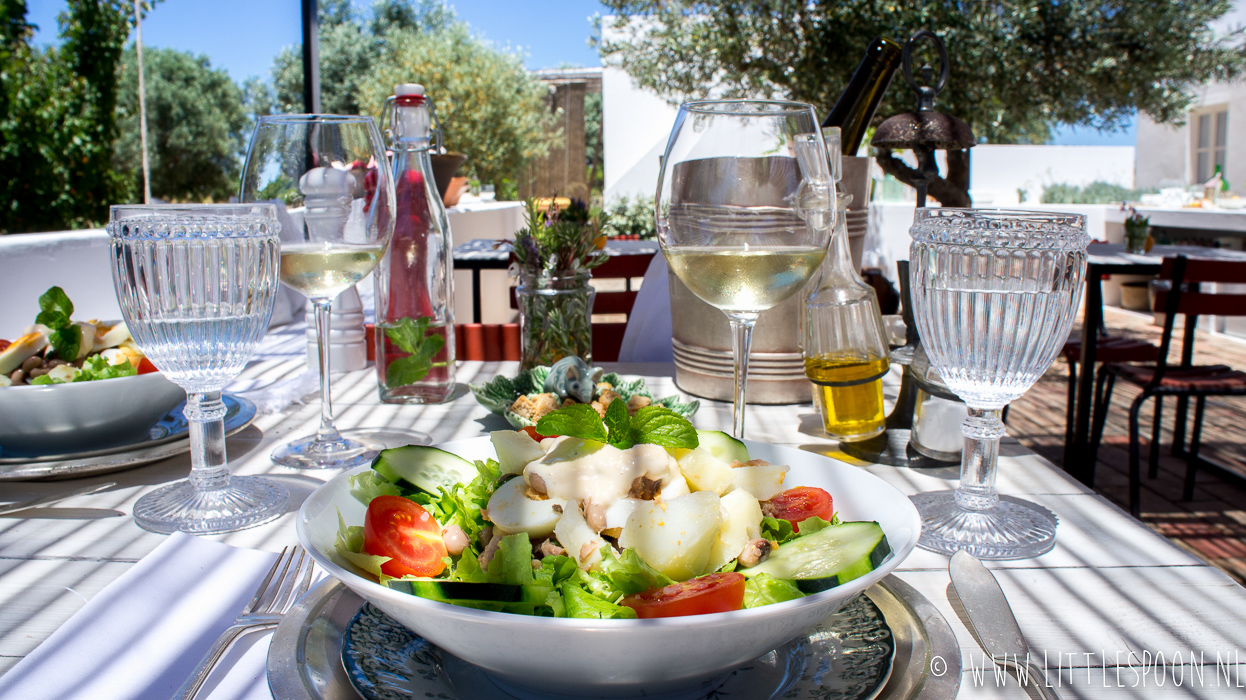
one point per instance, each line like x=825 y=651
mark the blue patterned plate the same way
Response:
x=170 y=436
x=846 y=657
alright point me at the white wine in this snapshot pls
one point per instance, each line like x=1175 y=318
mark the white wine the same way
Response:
x=321 y=271
x=744 y=279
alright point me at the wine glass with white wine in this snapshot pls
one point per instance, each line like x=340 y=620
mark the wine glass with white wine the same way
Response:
x=745 y=210
x=331 y=173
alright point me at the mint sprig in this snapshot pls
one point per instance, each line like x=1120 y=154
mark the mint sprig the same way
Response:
x=577 y=420
x=55 y=310
x=652 y=425
x=413 y=338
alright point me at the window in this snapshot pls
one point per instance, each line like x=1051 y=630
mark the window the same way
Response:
x=1211 y=133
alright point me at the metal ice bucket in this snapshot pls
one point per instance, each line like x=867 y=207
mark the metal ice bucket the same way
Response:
x=702 y=336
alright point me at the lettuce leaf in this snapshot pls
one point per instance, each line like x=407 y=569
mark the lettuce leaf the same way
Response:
x=513 y=561
x=628 y=573
x=348 y=546
x=366 y=486
x=96 y=367
x=777 y=530
x=582 y=604
x=764 y=589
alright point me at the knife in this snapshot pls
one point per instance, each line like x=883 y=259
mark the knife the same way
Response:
x=45 y=500
x=993 y=621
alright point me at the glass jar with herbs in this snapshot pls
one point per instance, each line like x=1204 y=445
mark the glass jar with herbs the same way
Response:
x=553 y=256
x=1137 y=231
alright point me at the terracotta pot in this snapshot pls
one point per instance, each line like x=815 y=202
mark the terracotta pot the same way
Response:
x=444 y=168
x=458 y=186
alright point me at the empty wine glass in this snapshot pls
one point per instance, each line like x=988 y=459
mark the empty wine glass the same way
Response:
x=745 y=209
x=330 y=174
x=994 y=294
x=196 y=285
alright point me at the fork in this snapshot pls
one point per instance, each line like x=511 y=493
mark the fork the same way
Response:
x=277 y=592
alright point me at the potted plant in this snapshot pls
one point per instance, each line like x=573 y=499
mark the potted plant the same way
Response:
x=1137 y=231
x=552 y=259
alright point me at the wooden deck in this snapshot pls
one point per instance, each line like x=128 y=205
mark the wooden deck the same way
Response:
x=1213 y=525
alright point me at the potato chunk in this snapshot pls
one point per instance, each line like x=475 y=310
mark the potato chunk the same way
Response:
x=742 y=524
x=705 y=472
x=675 y=536
x=515 y=449
x=763 y=482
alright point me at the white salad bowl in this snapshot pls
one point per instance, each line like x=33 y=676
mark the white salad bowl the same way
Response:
x=80 y=416
x=579 y=658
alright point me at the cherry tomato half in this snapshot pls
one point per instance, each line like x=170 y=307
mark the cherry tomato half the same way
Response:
x=406 y=533
x=4 y=345
x=794 y=505
x=146 y=367
x=699 y=596
x=532 y=433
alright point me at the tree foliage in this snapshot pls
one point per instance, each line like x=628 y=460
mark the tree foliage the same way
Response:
x=196 y=126
x=1017 y=67
x=594 y=141
x=489 y=107
x=349 y=49
x=57 y=123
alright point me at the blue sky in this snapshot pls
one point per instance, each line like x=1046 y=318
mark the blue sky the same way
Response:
x=243 y=36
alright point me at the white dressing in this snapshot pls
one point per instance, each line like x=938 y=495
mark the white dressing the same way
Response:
x=585 y=470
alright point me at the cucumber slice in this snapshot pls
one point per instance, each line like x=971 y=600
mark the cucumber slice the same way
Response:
x=482 y=596
x=722 y=446
x=827 y=558
x=423 y=467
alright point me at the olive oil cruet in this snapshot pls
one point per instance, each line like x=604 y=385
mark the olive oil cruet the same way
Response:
x=845 y=346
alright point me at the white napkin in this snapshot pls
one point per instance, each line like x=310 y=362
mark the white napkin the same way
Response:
x=141 y=636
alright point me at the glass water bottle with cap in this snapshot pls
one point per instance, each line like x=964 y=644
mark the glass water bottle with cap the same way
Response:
x=414 y=282
x=845 y=346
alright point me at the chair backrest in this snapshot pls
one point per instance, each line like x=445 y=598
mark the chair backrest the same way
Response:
x=489 y=342
x=1186 y=296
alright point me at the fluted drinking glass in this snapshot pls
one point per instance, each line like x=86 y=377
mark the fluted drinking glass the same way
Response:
x=196 y=285
x=744 y=210
x=994 y=294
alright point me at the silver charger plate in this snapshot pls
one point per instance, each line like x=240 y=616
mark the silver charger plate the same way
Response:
x=170 y=436
x=305 y=655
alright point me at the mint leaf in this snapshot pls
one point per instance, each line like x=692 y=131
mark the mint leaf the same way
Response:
x=577 y=420
x=657 y=425
x=66 y=342
x=412 y=337
x=55 y=309
x=619 y=423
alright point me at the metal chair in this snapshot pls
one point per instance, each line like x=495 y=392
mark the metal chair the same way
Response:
x=1185 y=380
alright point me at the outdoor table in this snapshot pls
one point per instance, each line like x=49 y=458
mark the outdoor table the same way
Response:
x=485 y=254
x=1101 y=606
x=1104 y=260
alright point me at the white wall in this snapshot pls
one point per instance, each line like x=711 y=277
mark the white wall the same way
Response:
x=888 y=234
x=997 y=172
x=635 y=124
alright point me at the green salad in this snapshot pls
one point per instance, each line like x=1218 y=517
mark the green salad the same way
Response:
x=614 y=518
